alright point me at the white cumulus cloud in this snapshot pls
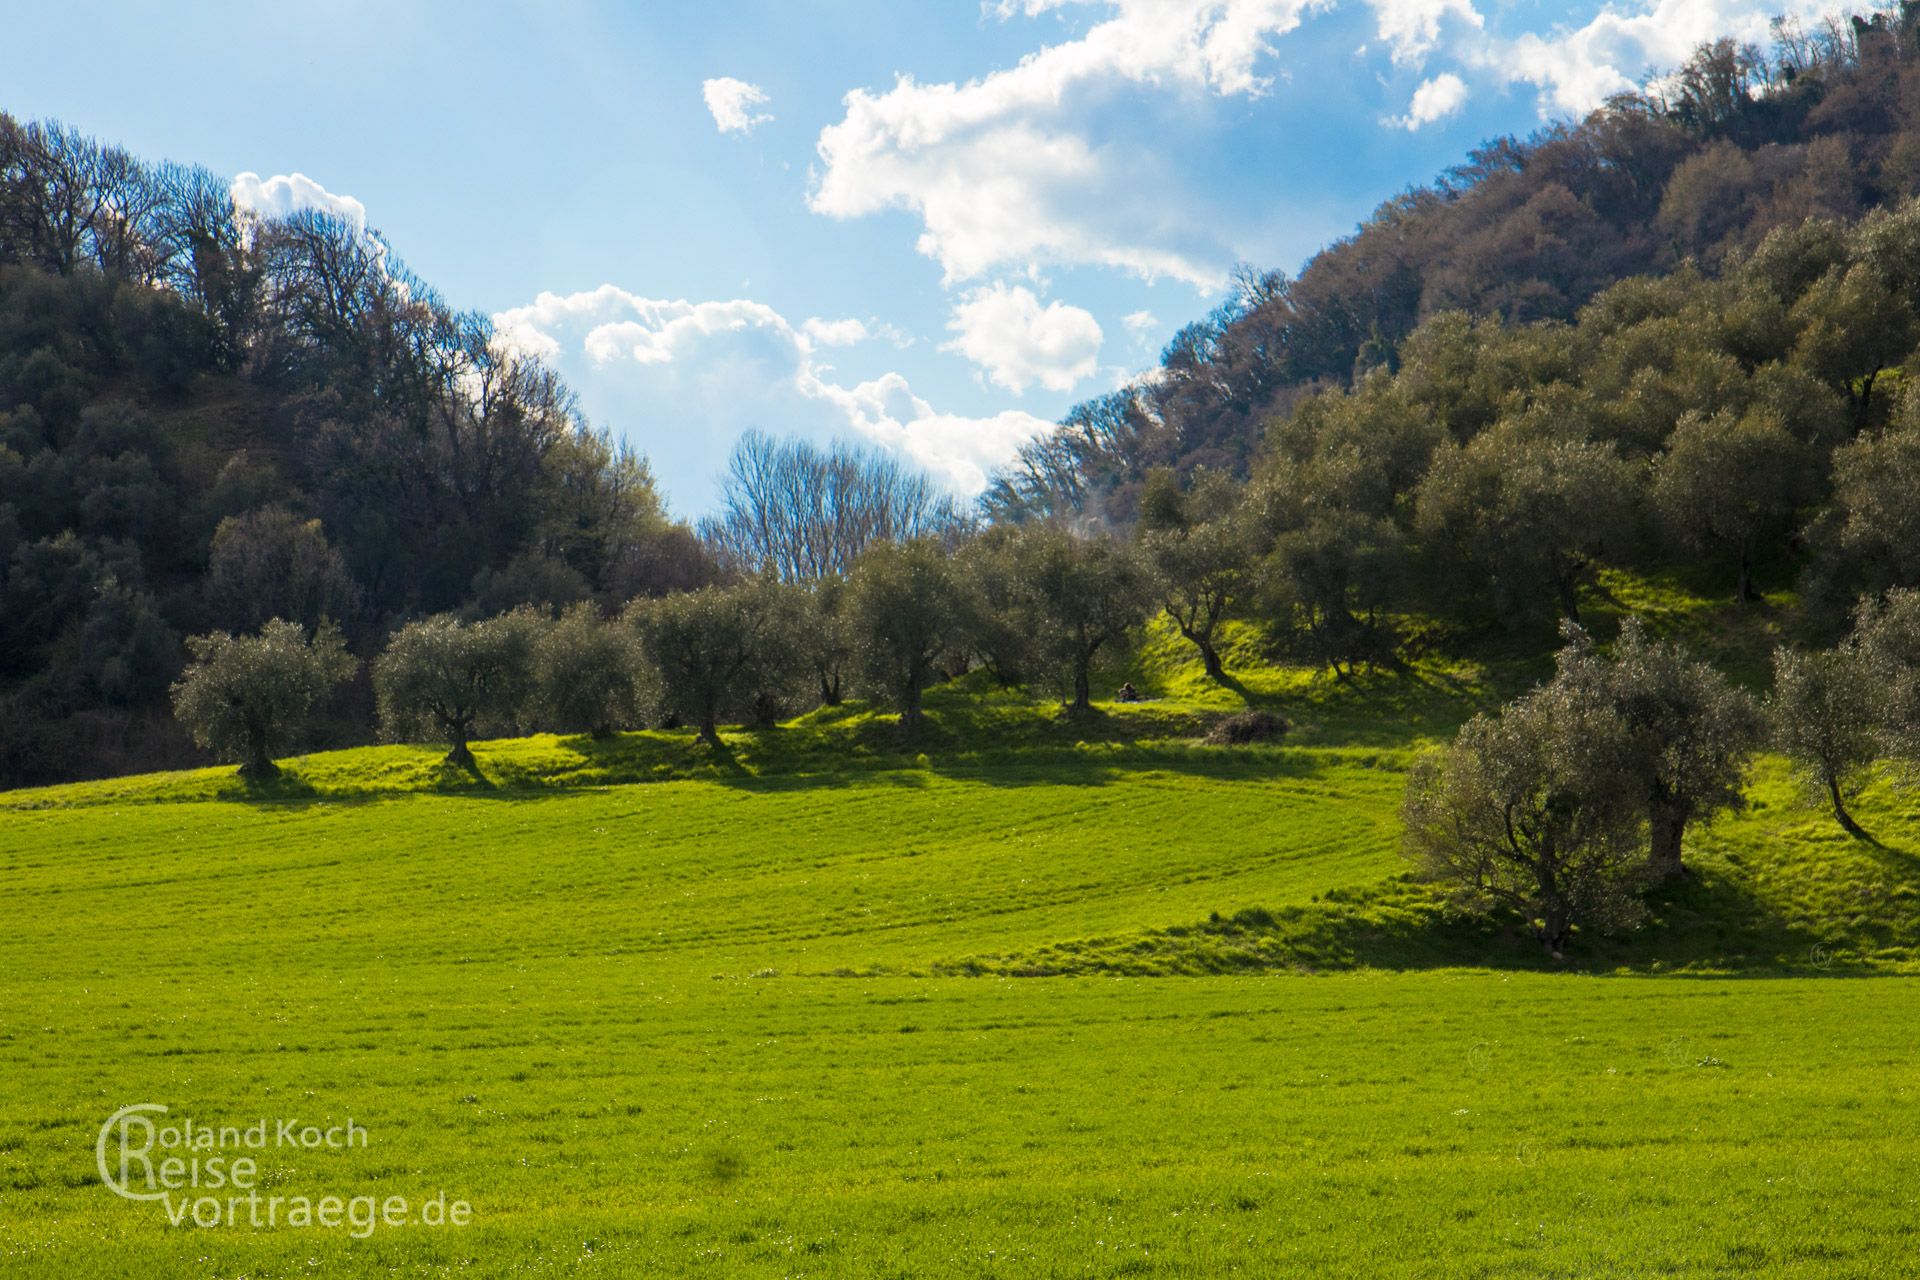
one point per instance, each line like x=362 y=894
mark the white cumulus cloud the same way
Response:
x=1435 y=99
x=1575 y=69
x=1617 y=48
x=1013 y=170
x=1412 y=28
x=732 y=103
x=1083 y=152
x=1017 y=342
x=834 y=333
x=1140 y=323
x=683 y=379
x=288 y=193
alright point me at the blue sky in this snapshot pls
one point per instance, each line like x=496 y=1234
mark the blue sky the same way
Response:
x=932 y=226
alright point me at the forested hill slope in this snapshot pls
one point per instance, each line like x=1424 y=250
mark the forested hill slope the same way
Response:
x=207 y=421
x=1701 y=166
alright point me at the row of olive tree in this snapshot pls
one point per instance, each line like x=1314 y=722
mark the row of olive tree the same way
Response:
x=1036 y=604
x=248 y=698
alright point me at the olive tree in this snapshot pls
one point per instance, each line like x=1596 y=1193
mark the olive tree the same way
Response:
x=1886 y=632
x=1826 y=720
x=1325 y=580
x=781 y=677
x=903 y=608
x=271 y=563
x=998 y=625
x=1875 y=524
x=1838 y=711
x=1526 y=513
x=440 y=678
x=1689 y=734
x=589 y=676
x=1081 y=595
x=1852 y=328
x=1730 y=484
x=826 y=638
x=1533 y=810
x=1196 y=543
x=245 y=697
x=706 y=646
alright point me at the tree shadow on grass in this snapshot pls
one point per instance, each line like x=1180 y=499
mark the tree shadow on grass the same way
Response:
x=961 y=742
x=1899 y=857
x=1711 y=920
x=1091 y=768
x=1233 y=684
x=467 y=776
x=1706 y=926
x=281 y=786
x=1081 y=763
x=287 y=790
x=1000 y=741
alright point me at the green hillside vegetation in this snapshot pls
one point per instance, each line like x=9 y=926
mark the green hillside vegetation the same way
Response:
x=653 y=1010
x=1765 y=884
x=1776 y=887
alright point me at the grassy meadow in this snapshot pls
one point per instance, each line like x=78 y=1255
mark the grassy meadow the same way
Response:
x=1033 y=999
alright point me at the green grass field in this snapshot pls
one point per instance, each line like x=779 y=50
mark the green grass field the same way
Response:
x=655 y=1013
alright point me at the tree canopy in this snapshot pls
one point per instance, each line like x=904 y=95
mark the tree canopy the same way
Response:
x=245 y=697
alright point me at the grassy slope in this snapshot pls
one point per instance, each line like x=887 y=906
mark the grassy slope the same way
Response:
x=604 y=1013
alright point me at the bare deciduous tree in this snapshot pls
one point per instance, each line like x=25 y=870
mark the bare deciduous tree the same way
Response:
x=801 y=512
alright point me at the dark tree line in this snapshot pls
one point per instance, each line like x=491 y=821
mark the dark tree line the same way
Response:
x=208 y=421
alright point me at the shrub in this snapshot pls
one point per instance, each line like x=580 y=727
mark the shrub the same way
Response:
x=1243 y=727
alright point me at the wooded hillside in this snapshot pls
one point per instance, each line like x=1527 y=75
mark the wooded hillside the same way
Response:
x=1699 y=167
x=208 y=420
